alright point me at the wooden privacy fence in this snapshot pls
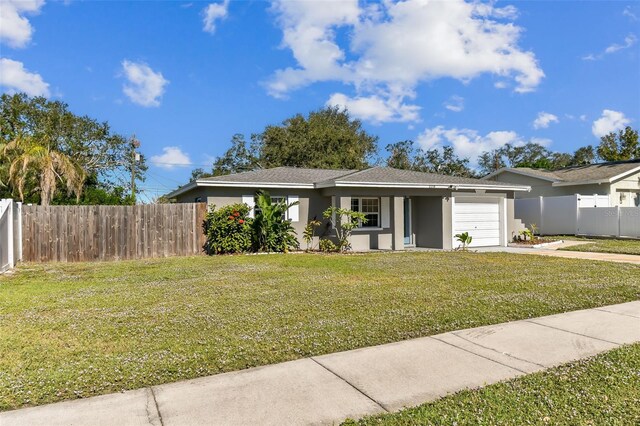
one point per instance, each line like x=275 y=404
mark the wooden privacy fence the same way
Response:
x=85 y=233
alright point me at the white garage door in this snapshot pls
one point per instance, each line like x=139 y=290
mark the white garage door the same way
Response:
x=481 y=219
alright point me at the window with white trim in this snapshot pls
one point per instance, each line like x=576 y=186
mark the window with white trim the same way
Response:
x=370 y=206
x=275 y=199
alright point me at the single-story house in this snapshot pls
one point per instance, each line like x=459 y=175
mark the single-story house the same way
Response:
x=403 y=208
x=620 y=181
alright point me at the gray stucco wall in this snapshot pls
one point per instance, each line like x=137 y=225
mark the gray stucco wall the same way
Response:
x=432 y=213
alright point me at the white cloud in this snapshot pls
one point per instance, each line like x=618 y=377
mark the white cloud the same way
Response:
x=544 y=119
x=395 y=46
x=629 y=13
x=468 y=143
x=629 y=41
x=374 y=108
x=15 y=28
x=171 y=158
x=455 y=103
x=610 y=121
x=144 y=86
x=16 y=78
x=214 y=12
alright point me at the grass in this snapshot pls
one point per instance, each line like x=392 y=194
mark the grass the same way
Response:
x=605 y=245
x=77 y=330
x=603 y=390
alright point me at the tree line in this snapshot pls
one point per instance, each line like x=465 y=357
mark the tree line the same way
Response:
x=49 y=155
x=330 y=139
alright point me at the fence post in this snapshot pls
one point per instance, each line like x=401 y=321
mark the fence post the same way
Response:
x=18 y=232
x=577 y=215
x=10 y=240
x=619 y=233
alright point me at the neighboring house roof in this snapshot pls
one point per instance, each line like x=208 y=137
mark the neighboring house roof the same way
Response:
x=578 y=175
x=382 y=177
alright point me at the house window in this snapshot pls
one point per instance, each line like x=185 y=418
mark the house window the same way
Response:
x=274 y=200
x=371 y=209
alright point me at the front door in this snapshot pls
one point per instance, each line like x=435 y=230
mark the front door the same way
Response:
x=408 y=234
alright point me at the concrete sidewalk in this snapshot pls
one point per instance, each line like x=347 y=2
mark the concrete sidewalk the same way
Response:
x=327 y=389
x=606 y=257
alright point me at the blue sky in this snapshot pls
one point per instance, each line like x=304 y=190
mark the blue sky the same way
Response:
x=185 y=76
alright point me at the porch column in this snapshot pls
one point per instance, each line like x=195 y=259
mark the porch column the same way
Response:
x=447 y=222
x=398 y=223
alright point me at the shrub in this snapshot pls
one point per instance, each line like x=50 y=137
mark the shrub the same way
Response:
x=228 y=229
x=348 y=220
x=309 y=232
x=327 y=245
x=271 y=231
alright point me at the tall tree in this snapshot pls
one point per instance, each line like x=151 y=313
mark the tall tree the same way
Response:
x=327 y=139
x=404 y=155
x=238 y=158
x=490 y=161
x=619 y=146
x=38 y=159
x=41 y=139
x=583 y=156
x=401 y=155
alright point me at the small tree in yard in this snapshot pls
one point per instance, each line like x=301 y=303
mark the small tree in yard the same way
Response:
x=348 y=220
x=464 y=239
x=228 y=230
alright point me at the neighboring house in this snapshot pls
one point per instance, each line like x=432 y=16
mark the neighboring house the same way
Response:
x=403 y=208
x=620 y=181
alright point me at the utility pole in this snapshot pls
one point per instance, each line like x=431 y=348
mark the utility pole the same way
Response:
x=135 y=158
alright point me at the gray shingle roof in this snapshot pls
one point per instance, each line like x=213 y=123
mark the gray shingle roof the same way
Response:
x=292 y=175
x=391 y=175
x=322 y=178
x=588 y=173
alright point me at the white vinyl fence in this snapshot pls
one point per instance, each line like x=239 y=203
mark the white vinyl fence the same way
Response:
x=10 y=234
x=609 y=221
x=578 y=215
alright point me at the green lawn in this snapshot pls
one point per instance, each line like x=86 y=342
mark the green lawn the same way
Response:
x=603 y=390
x=605 y=245
x=76 y=330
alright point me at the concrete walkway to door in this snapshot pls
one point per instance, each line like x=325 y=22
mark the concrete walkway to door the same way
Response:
x=327 y=389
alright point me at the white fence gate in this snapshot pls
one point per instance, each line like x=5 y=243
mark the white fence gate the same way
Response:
x=10 y=234
x=578 y=215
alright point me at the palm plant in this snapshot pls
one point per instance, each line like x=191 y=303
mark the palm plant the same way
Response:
x=464 y=239
x=32 y=158
x=272 y=232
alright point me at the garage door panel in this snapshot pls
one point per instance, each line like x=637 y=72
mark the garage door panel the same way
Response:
x=477 y=207
x=478 y=226
x=480 y=219
x=482 y=233
x=477 y=217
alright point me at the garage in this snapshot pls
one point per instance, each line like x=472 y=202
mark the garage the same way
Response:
x=480 y=218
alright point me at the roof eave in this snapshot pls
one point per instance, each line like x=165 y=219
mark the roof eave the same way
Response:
x=182 y=189
x=430 y=186
x=582 y=182
x=625 y=174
